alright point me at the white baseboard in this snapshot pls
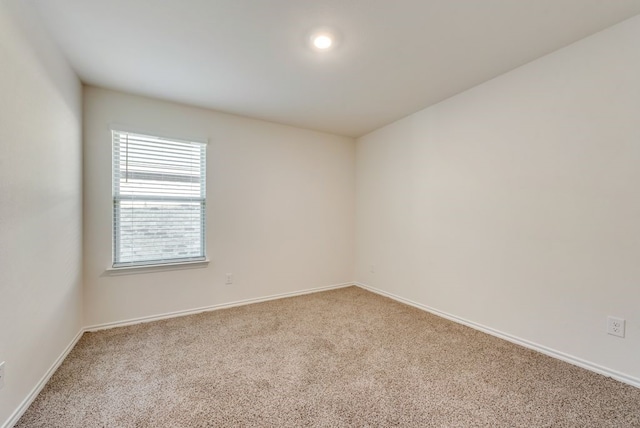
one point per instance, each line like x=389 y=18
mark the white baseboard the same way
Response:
x=13 y=419
x=182 y=313
x=630 y=380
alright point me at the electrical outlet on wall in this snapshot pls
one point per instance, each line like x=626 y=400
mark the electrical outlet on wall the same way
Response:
x=229 y=279
x=615 y=326
x=372 y=268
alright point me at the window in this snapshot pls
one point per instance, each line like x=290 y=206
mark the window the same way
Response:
x=159 y=200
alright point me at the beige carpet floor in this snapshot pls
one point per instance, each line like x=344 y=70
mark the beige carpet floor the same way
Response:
x=345 y=357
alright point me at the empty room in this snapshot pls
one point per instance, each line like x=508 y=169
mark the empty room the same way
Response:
x=282 y=213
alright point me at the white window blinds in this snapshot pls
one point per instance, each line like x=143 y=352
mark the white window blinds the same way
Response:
x=159 y=200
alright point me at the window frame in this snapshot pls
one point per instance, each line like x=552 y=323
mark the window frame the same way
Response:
x=158 y=264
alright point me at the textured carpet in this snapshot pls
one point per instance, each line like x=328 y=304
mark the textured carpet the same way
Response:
x=338 y=358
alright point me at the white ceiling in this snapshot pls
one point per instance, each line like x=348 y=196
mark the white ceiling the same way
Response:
x=250 y=56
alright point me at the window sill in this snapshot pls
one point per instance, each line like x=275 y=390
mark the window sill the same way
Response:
x=133 y=270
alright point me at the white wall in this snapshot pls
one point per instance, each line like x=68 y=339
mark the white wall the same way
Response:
x=40 y=205
x=280 y=209
x=516 y=204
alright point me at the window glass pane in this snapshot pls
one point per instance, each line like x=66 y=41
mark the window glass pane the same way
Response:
x=155 y=231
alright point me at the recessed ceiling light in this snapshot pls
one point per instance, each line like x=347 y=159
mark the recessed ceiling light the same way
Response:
x=323 y=39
